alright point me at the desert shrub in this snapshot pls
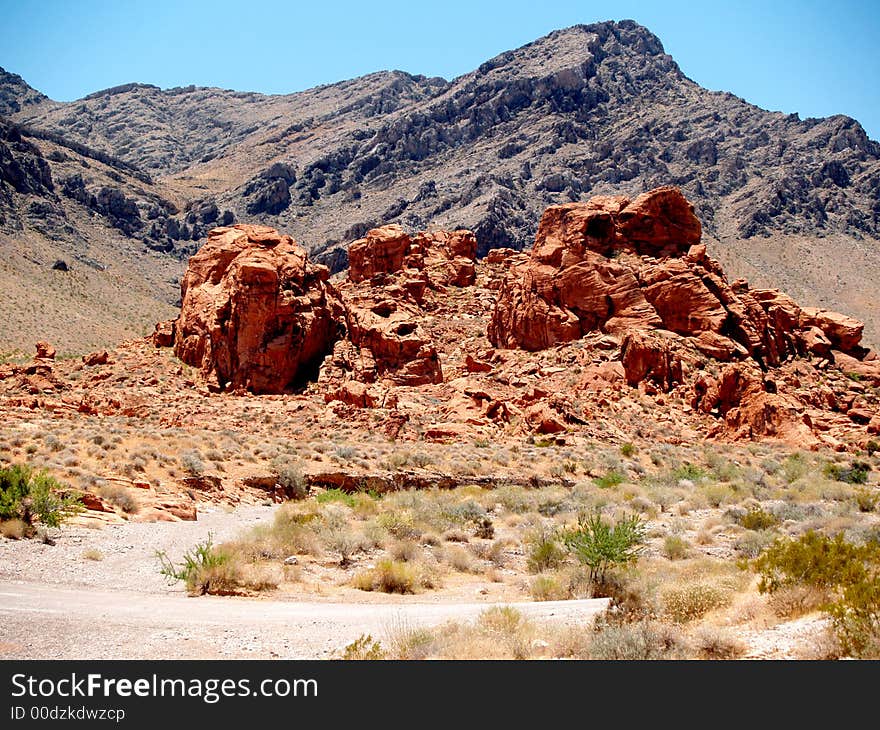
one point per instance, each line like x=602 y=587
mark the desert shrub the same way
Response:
x=406 y=641
x=849 y=574
x=794 y=467
x=543 y=551
x=796 y=600
x=120 y=497
x=714 y=642
x=627 y=449
x=639 y=640
x=750 y=544
x=691 y=601
x=205 y=569
x=484 y=528
x=872 y=447
x=676 y=547
x=691 y=472
x=289 y=475
x=602 y=546
x=460 y=559
x=92 y=554
x=392 y=576
x=571 y=642
x=855 y=619
x=363 y=648
x=515 y=499
x=405 y=551
x=547 y=588
x=495 y=552
x=14 y=529
x=610 y=479
x=399 y=525
x=855 y=473
x=814 y=559
x=462 y=512
x=509 y=627
x=756 y=518
x=866 y=500
x=30 y=496
x=335 y=495
x=291 y=532
x=192 y=463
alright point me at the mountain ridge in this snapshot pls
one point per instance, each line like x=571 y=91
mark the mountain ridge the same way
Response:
x=586 y=110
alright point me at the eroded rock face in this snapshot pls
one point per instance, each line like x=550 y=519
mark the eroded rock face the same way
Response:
x=256 y=313
x=614 y=265
x=447 y=257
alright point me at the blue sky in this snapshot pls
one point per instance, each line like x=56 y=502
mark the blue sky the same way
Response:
x=811 y=57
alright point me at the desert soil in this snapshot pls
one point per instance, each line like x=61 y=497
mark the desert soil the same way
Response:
x=56 y=604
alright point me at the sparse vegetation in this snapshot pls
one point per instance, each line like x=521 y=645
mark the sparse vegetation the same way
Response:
x=602 y=546
x=28 y=497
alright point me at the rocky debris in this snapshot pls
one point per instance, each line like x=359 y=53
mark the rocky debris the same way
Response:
x=256 y=314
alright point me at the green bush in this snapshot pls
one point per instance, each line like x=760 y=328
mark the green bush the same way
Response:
x=363 y=648
x=689 y=471
x=855 y=473
x=335 y=495
x=544 y=552
x=602 y=546
x=205 y=569
x=611 y=479
x=855 y=619
x=814 y=559
x=849 y=574
x=757 y=518
x=31 y=496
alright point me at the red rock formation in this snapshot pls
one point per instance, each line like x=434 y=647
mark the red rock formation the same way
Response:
x=45 y=351
x=96 y=358
x=594 y=267
x=256 y=313
x=446 y=257
x=384 y=326
x=651 y=357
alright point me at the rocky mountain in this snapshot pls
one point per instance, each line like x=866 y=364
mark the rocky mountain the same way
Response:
x=598 y=109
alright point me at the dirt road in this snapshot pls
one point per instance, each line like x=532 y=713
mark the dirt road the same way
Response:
x=60 y=622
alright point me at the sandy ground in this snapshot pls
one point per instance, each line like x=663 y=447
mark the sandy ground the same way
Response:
x=55 y=604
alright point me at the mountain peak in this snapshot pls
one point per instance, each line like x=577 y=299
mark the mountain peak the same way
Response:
x=15 y=93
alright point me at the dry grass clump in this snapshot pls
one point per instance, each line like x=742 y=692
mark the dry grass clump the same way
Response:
x=120 y=497
x=395 y=576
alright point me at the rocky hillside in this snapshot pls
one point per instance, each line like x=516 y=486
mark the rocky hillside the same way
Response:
x=598 y=109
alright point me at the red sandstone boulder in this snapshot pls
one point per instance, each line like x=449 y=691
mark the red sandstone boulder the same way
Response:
x=96 y=358
x=256 y=313
x=45 y=351
x=844 y=332
x=163 y=334
x=386 y=331
x=382 y=251
x=651 y=357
